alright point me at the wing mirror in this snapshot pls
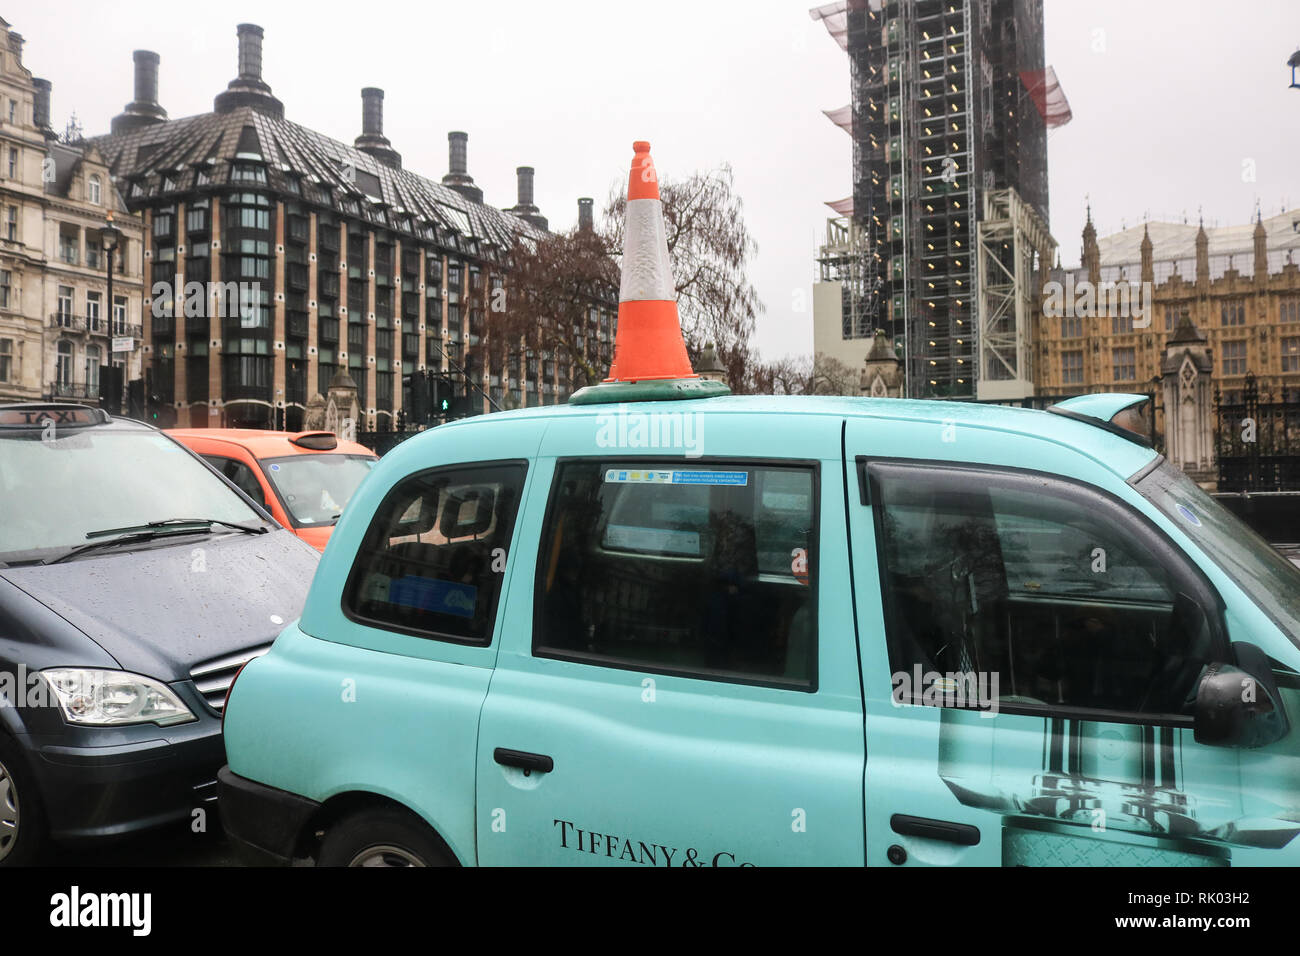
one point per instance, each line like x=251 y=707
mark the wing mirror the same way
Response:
x=1238 y=705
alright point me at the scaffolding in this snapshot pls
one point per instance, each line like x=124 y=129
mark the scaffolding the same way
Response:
x=846 y=257
x=1014 y=247
x=942 y=112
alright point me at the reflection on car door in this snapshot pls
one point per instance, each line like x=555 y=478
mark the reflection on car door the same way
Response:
x=1043 y=645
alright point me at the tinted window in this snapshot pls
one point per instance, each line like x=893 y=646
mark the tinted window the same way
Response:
x=431 y=562
x=1042 y=587
x=709 y=571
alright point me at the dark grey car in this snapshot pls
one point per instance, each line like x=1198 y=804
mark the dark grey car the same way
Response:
x=134 y=583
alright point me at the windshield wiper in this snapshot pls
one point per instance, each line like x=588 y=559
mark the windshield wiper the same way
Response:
x=136 y=536
x=148 y=532
x=174 y=523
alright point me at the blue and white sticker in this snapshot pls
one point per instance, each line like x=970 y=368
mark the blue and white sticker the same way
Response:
x=620 y=476
x=1189 y=514
x=275 y=467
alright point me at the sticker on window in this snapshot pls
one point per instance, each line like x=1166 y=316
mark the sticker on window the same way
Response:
x=1189 y=514
x=619 y=476
x=431 y=594
x=660 y=540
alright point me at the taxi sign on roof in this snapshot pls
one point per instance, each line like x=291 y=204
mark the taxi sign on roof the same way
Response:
x=32 y=416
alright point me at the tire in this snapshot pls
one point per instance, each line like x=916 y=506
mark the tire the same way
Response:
x=22 y=819
x=383 y=836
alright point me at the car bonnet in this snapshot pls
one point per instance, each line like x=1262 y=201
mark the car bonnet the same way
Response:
x=162 y=609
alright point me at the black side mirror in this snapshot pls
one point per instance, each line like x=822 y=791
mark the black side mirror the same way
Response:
x=1239 y=705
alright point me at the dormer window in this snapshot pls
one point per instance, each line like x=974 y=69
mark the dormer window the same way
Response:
x=94 y=190
x=248 y=173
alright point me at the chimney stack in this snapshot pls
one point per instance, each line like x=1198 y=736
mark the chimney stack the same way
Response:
x=458 y=148
x=524 y=208
x=372 y=139
x=146 y=76
x=458 y=177
x=524 y=175
x=248 y=88
x=585 y=219
x=41 y=105
x=16 y=44
x=144 y=109
x=372 y=111
x=250 y=51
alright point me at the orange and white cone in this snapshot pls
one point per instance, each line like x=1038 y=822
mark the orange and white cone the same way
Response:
x=648 y=342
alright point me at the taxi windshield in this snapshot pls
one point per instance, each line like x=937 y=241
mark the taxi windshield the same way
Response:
x=1270 y=580
x=316 y=488
x=57 y=488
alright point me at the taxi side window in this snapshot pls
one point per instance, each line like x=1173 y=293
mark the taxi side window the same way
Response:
x=1040 y=593
x=432 y=561
x=708 y=571
x=241 y=475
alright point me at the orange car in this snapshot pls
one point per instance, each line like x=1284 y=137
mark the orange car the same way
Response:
x=303 y=478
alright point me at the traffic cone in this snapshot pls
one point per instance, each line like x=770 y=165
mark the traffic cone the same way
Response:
x=650 y=360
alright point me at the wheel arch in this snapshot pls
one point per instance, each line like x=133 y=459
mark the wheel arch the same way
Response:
x=348 y=802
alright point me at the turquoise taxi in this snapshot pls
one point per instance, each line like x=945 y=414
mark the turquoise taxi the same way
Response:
x=664 y=626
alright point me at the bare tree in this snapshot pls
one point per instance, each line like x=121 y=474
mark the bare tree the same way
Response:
x=800 y=375
x=553 y=283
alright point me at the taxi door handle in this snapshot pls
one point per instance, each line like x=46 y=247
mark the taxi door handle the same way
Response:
x=523 y=760
x=960 y=833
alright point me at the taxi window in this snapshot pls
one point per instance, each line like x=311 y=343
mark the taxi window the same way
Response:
x=432 y=559
x=706 y=571
x=1037 y=592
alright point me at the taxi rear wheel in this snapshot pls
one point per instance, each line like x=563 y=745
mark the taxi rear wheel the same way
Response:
x=22 y=823
x=383 y=836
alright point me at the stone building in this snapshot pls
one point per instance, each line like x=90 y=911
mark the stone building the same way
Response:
x=278 y=257
x=1236 y=285
x=55 y=199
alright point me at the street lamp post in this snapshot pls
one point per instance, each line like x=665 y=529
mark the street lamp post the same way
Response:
x=110 y=236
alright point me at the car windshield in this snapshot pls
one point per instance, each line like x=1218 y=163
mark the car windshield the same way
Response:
x=56 y=490
x=315 y=488
x=1257 y=567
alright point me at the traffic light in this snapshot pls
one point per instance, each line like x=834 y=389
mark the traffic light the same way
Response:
x=416 y=397
x=443 y=394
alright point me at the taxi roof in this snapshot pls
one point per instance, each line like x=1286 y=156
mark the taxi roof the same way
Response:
x=267 y=444
x=1118 y=454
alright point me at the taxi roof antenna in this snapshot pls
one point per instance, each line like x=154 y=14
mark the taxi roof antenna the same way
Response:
x=650 y=360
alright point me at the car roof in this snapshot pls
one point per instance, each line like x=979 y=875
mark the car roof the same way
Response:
x=1122 y=455
x=267 y=444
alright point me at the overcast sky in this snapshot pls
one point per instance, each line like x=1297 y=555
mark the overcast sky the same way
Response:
x=1178 y=105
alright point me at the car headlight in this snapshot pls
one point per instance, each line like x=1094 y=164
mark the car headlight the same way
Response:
x=104 y=698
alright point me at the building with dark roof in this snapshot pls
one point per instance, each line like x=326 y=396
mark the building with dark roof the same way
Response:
x=278 y=256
